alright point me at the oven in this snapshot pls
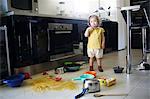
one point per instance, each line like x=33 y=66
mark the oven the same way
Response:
x=60 y=38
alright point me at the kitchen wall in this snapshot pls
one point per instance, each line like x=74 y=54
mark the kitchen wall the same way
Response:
x=106 y=4
x=68 y=8
x=115 y=15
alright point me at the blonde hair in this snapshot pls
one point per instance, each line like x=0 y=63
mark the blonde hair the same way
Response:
x=96 y=17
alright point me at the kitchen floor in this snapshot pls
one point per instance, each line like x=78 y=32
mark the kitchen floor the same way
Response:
x=136 y=84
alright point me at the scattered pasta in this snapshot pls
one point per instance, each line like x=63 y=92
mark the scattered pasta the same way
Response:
x=44 y=83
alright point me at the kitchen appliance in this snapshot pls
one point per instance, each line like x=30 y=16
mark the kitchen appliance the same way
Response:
x=20 y=6
x=90 y=86
x=60 y=39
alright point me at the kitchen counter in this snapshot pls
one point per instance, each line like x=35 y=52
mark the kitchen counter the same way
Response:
x=42 y=15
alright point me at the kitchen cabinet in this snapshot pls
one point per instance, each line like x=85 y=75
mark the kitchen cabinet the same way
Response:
x=4 y=54
x=34 y=39
x=22 y=53
x=27 y=40
x=39 y=43
x=111 y=35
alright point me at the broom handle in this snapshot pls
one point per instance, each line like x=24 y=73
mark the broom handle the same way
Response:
x=119 y=94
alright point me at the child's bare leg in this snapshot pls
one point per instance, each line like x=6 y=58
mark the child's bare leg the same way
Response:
x=91 y=62
x=99 y=63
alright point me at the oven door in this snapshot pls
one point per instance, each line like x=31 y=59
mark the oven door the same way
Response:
x=60 y=41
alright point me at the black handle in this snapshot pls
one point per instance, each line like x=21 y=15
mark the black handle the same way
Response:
x=81 y=94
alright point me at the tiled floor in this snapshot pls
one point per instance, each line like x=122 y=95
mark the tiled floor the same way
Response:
x=136 y=85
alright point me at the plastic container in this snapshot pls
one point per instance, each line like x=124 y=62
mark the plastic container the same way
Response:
x=71 y=66
x=14 y=81
x=91 y=72
x=84 y=76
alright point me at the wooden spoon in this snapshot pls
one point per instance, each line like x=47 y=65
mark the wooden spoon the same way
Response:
x=100 y=95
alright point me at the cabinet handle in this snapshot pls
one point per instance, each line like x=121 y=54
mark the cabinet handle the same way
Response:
x=19 y=41
x=48 y=40
x=7 y=50
x=27 y=40
x=37 y=37
x=30 y=29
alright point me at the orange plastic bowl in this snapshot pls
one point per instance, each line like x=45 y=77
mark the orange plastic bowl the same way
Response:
x=91 y=72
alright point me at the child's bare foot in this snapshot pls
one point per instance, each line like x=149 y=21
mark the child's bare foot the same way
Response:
x=100 y=68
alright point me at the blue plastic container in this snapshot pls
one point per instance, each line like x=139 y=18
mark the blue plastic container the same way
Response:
x=84 y=76
x=14 y=81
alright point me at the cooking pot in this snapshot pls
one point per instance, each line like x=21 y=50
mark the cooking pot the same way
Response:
x=90 y=86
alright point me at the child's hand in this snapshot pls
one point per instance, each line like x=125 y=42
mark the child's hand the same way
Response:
x=103 y=46
x=90 y=29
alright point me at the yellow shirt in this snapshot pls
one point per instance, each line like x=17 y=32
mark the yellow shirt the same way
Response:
x=95 y=38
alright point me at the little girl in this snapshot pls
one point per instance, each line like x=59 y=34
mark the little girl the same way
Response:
x=96 y=42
